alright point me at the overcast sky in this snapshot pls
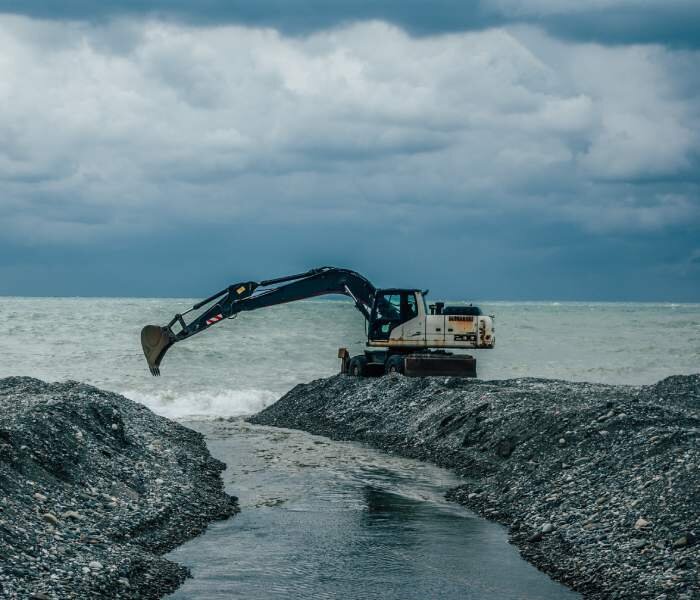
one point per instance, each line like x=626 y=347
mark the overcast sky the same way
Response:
x=501 y=149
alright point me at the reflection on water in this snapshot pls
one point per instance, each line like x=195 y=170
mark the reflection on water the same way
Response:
x=336 y=520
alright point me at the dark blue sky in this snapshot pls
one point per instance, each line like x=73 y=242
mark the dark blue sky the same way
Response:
x=668 y=22
x=500 y=149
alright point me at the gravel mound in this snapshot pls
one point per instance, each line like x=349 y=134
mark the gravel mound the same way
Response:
x=599 y=484
x=93 y=489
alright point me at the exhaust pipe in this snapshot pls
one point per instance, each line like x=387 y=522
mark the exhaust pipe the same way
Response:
x=155 y=342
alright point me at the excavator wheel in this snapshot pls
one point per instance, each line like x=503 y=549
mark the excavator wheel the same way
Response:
x=394 y=364
x=358 y=366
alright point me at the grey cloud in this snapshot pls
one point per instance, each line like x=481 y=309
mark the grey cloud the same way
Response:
x=506 y=144
x=671 y=22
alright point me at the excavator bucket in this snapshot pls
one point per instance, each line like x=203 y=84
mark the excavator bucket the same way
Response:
x=155 y=342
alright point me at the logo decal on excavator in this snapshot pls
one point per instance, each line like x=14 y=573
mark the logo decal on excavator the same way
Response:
x=215 y=319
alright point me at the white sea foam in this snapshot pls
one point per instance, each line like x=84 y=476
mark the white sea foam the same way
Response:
x=205 y=404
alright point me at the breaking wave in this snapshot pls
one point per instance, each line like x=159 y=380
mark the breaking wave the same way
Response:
x=205 y=404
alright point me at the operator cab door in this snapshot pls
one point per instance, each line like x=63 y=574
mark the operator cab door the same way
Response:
x=413 y=327
x=395 y=315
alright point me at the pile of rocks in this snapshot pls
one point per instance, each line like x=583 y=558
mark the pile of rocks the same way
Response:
x=599 y=484
x=94 y=488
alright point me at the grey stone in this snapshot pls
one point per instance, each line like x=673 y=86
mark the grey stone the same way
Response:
x=535 y=537
x=49 y=518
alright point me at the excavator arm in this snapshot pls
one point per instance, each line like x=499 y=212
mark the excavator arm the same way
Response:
x=251 y=295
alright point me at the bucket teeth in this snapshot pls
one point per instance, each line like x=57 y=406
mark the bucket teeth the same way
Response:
x=155 y=342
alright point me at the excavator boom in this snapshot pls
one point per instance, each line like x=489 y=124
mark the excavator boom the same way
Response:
x=251 y=295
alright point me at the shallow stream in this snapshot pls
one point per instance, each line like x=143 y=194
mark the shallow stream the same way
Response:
x=324 y=519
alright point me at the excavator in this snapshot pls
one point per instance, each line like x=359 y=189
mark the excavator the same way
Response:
x=404 y=335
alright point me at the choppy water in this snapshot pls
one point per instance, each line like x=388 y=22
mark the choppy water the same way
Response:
x=239 y=366
x=326 y=520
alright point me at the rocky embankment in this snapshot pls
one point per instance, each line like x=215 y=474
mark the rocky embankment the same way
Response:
x=599 y=484
x=94 y=488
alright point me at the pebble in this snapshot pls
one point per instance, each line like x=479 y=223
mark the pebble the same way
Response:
x=49 y=518
x=535 y=537
x=641 y=523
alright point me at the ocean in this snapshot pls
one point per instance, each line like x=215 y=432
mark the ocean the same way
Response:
x=241 y=365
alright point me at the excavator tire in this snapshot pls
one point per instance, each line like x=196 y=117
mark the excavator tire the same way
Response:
x=358 y=366
x=394 y=364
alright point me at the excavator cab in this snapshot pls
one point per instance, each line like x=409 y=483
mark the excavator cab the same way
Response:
x=392 y=307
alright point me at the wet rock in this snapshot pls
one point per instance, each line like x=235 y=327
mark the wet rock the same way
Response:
x=535 y=537
x=505 y=447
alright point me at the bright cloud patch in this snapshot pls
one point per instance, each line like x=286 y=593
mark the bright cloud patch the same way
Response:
x=122 y=119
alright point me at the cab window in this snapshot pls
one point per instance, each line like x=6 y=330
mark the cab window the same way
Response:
x=389 y=307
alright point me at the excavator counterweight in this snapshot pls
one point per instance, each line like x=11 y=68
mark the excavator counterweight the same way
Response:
x=401 y=335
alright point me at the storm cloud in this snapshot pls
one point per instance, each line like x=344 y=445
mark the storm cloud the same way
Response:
x=231 y=141
x=672 y=22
